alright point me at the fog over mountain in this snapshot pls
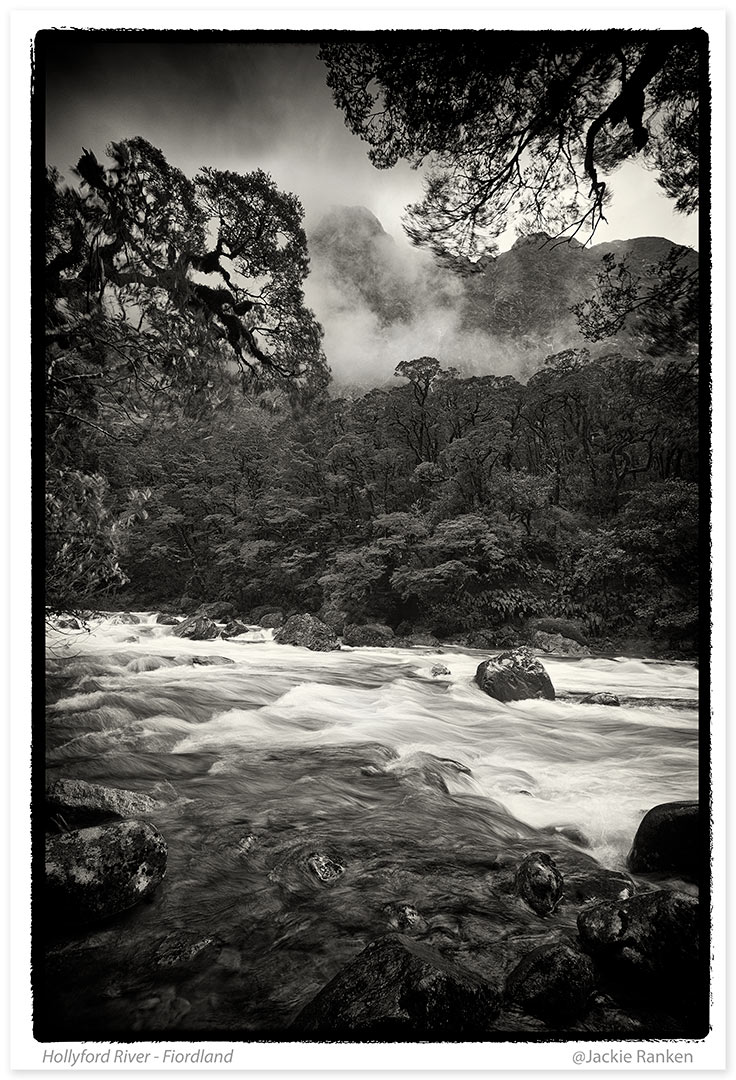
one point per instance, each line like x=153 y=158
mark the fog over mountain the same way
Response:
x=380 y=302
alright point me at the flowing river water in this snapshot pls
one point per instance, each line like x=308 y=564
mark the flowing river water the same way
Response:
x=419 y=786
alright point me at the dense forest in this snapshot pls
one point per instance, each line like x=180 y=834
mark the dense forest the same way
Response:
x=197 y=451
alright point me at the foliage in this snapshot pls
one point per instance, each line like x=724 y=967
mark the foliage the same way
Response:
x=161 y=293
x=520 y=126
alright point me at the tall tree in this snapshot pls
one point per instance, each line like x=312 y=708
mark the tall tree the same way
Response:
x=520 y=126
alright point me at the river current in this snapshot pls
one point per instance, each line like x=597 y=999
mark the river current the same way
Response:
x=416 y=785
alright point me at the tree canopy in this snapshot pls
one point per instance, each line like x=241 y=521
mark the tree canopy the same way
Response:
x=159 y=290
x=523 y=127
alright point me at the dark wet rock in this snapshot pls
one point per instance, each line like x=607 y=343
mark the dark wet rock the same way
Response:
x=123 y=618
x=427 y=770
x=101 y=871
x=539 y=883
x=233 y=628
x=73 y=804
x=558 y=645
x=217 y=609
x=570 y=832
x=586 y=885
x=406 y=918
x=397 y=986
x=440 y=669
x=324 y=868
x=601 y=698
x=553 y=982
x=198 y=628
x=308 y=632
x=164 y=619
x=209 y=661
x=647 y=944
x=272 y=620
x=668 y=838
x=183 y=949
x=373 y=635
x=514 y=676
x=67 y=622
x=164 y=791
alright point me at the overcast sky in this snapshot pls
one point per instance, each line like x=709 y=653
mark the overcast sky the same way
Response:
x=242 y=107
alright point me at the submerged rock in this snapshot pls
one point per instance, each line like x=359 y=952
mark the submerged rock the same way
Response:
x=406 y=918
x=325 y=868
x=554 y=982
x=514 y=676
x=440 y=669
x=308 y=632
x=78 y=803
x=374 y=635
x=668 y=838
x=397 y=986
x=183 y=949
x=209 y=661
x=101 y=871
x=556 y=643
x=198 y=628
x=539 y=883
x=596 y=883
x=601 y=698
x=648 y=942
x=123 y=618
x=570 y=832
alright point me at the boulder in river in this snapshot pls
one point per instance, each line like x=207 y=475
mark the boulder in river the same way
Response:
x=399 y=987
x=123 y=618
x=165 y=619
x=198 y=628
x=234 y=628
x=586 y=885
x=539 y=883
x=600 y=698
x=558 y=645
x=101 y=871
x=209 y=661
x=514 y=676
x=272 y=620
x=308 y=632
x=440 y=669
x=668 y=838
x=553 y=982
x=67 y=622
x=217 y=609
x=647 y=943
x=78 y=803
x=374 y=635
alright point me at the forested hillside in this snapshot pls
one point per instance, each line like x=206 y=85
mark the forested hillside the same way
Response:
x=194 y=452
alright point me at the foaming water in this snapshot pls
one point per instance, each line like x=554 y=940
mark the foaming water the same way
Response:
x=270 y=753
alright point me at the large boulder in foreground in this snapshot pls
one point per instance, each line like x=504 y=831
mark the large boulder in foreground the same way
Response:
x=95 y=873
x=668 y=838
x=648 y=943
x=397 y=986
x=78 y=803
x=309 y=632
x=553 y=982
x=514 y=676
x=374 y=635
x=198 y=628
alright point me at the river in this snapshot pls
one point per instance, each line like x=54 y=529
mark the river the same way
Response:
x=417 y=786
